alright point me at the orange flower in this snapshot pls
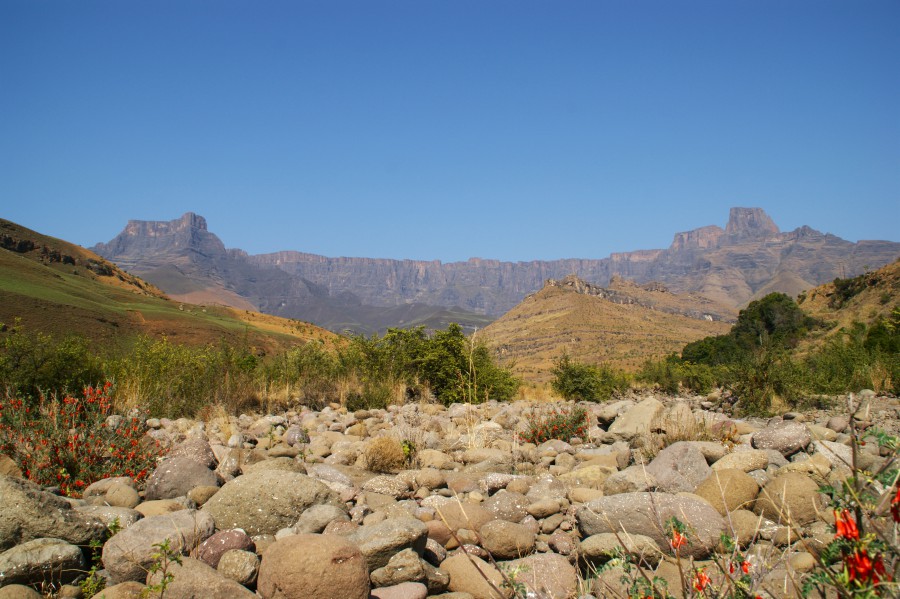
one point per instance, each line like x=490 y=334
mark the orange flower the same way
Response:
x=678 y=539
x=701 y=580
x=845 y=525
x=863 y=568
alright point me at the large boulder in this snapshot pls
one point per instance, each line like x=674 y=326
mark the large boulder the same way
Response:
x=787 y=437
x=264 y=502
x=379 y=542
x=175 y=476
x=29 y=513
x=473 y=575
x=636 y=420
x=679 y=467
x=647 y=514
x=41 y=559
x=728 y=490
x=198 y=450
x=193 y=579
x=545 y=575
x=321 y=566
x=130 y=552
x=507 y=540
x=790 y=498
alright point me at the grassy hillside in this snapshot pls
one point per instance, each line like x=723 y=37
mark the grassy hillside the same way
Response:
x=55 y=287
x=592 y=330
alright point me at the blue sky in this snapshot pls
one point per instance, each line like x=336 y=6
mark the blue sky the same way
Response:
x=515 y=130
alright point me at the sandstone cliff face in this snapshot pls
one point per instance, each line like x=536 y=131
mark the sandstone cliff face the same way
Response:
x=732 y=266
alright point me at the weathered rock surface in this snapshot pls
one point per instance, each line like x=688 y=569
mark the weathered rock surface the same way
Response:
x=646 y=514
x=267 y=501
x=39 y=560
x=322 y=566
x=130 y=552
x=30 y=513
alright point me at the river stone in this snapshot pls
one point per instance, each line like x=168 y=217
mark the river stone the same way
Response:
x=265 y=502
x=636 y=420
x=630 y=480
x=792 y=498
x=41 y=559
x=599 y=549
x=240 y=566
x=122 y=495
x=679 y=467
x=30 y=513
x=728 y=490
x=321 y=566
x=175 y=476
x=379 y=542
x=545 y=575
x=404 y=590
x=647 y=513
x=192 y=579
x=109 y=514
x=747 y=461
x=457 y=515
x=507 y=505
x=507 y=540
x=787 y=438
x=129 y=553
x=316 y=518
x=405 y=566
x=198 y=450
x=468 y=573
x=212 y=549
x=19 y=591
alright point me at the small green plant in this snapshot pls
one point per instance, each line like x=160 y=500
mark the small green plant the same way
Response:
x=556 y=423
x=72 y=442
x=511 y=580
x=163 y=559
x=93 y=583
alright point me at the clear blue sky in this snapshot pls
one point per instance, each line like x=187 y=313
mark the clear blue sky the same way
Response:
x=445 y=129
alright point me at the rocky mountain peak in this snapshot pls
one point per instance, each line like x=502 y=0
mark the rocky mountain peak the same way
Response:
x=750 y=223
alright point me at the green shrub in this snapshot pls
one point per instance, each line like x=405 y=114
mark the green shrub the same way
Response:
x=35 y=364
x=760 y=377
x=577 y=381
x=673 y=375
x=177 y=380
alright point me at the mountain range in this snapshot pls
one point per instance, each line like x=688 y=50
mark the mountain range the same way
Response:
x=747 y=259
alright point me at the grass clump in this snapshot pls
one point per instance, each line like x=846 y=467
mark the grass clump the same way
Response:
x=385 y=454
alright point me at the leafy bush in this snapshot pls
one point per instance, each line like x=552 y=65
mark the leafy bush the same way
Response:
x=177 y=380
x=74 y=441
x=32 y=364
x=577 y=381
x=760 y=377
x=673 y=375
x=557 y=423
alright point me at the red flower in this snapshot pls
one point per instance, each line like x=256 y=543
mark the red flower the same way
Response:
x=678 y=539
x=845 y=525
x=701 y=581
x=863 y=568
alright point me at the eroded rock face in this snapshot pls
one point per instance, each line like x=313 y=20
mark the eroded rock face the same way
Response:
x=325 y=566
x=41 y=559
x=787 y=438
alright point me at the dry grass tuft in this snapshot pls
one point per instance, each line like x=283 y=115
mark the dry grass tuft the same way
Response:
x=385 y=454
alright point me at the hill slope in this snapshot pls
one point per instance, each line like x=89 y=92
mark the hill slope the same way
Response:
x=622 y=325
x=55 y=287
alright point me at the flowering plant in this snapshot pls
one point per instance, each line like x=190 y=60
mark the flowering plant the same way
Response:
x=73 y=442
x=560 y=423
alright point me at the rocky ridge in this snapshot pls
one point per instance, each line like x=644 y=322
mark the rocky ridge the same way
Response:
x=288 y=506
x=747 y=259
